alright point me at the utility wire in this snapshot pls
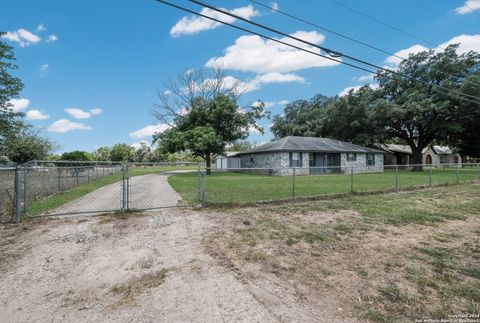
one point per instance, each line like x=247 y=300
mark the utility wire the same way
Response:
x=293 y=46
x=347 y=37
x=474 y=10
x=327 y=50
x=385 y=24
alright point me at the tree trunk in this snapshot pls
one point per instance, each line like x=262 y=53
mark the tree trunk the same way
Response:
x=417 y=159
x=208 y=163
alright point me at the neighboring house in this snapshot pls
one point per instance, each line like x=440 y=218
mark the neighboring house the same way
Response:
x=435 y=155
x=310 y=155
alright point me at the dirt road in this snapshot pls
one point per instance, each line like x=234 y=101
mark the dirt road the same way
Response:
x=147 y=268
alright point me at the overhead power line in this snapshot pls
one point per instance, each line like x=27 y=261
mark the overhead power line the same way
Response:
x=327 y=50
x=347 y=37
x=386 y=24
x=303 y=49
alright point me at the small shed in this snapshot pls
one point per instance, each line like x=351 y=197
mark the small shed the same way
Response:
x=227 y=161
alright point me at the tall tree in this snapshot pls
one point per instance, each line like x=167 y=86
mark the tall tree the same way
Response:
x=202 y=112
x=10 y=87
x=122 y=153
x=421 y=114
x=19 y=142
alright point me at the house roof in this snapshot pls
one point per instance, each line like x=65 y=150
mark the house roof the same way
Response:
x=310 y=144
x=405 y=149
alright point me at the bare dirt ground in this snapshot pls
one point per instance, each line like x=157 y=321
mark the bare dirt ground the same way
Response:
x=145 y=268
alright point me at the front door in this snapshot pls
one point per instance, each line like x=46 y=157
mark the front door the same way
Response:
x=316 y=162
x=333 y=161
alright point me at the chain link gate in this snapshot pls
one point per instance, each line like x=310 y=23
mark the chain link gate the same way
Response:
x=149 y=185
x=69 y=187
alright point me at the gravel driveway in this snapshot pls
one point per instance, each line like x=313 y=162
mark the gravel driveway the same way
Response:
x=146 y=192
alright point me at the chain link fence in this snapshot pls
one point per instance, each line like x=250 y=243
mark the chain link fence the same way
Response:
x=57 y=188
x=7 y=194
x=245 y=185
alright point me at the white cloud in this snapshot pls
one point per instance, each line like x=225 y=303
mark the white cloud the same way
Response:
x=96 y=111
x=51 y=39
x=394 y=61
x=355 y=88
x=36 y=115
x=258 y=81
x=44 y=68
x=65 y=125
x=194 y=24
x=78 y=113
x=41 y=28
x=468 y=7
x=283 y=102
x=366 y=78
x=253 y=54
x=23 y=37
x=81 y=114
x=149 y=131
x=274 y=5
x=19 y=104
x=467 y=43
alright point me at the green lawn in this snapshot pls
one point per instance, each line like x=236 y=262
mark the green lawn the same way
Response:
x=244 y=188
x=50 y=202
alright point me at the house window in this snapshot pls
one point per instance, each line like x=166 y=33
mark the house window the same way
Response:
x=251 y=158
x=442 y=159
x=370 y=159
x=295 y=159
x=351 y=157
x=455 y=159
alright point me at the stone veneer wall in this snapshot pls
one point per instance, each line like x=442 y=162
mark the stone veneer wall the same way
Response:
x=360 y=164
x=278 y=163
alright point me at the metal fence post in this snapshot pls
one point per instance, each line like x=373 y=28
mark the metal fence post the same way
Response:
x=351 y=179
x=17 y=195
x=431 y=174
x=25 y=189
x=396 y=177
x=456 y=172
x=293 y=183
x=203 y=184
x=125 y=187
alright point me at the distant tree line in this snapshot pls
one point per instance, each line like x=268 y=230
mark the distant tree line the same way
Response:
x=127 y=154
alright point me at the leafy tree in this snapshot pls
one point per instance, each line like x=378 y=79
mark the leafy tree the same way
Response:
x=239 y=146
x=204 y=116
x=468 y=139
x=19 y=142
x=28 y=145
x=421 y=114
x=302 y=118
x=77 y=155
x=143 y=153
x=10 y=87
x=122 y=153
x=103 y=154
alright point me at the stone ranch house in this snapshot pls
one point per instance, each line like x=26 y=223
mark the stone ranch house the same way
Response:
x=308 y=155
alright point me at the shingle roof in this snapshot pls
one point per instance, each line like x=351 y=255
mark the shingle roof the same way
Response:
x=310 y=144
x=405 y=149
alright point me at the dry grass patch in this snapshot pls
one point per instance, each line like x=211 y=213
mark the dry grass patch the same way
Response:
x=384 y=258
x=135 y=286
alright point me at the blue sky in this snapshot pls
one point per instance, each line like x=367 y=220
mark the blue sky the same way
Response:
x=92 y=68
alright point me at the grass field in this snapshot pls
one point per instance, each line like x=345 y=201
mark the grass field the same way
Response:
x=394 y=257
x=246 y=188
x=54 y=201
